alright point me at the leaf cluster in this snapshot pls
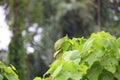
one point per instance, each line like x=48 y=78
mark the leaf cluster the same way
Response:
x=95 y=58
x=7 y=73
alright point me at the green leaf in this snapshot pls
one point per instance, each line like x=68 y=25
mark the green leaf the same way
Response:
x=87 y=45
x=105 y=75
x=83 y=68
x=7 y=73
x=117 y=74
x=69 y=66
x=1 y=77
x=53 y=66
x=37 y=78
x=118 y=42
x=101 y=35
x=71 y=55
x=109 y=63
x=66 y=45
x=64 y=75
x=75 y=76
x=11 y=76
x=94 y=56
x=57 y=71
x=94 y=72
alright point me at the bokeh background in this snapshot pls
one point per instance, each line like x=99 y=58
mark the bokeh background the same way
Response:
x=29 y=29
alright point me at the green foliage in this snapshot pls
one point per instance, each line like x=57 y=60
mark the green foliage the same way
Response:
x=35 y=12
x=7 y=73
x=38 y=78
x=2 y=2
x=17 y=55
x=95 y=58
x=110 y=16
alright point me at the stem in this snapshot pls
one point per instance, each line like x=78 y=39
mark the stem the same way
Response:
x=99 y=16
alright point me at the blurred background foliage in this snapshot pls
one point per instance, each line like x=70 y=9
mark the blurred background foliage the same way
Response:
x=37 y=24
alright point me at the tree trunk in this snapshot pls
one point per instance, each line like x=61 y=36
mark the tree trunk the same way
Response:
x=17 y=53
x=99 y=15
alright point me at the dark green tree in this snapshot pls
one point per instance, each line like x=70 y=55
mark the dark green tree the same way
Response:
x=1 y=2
x=20 y=18
x=17 y=53
x=110 y=16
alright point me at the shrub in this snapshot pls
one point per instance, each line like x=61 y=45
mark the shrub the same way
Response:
x=95 y=58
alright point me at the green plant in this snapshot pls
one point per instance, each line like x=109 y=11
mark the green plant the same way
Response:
x=95 y=58
x=7 y=73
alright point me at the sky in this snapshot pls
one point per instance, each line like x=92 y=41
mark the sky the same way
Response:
x=5 y=33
